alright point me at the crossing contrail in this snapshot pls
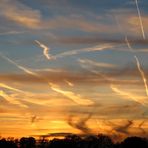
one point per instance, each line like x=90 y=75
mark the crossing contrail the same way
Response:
x=72 y=52
x=140 y=19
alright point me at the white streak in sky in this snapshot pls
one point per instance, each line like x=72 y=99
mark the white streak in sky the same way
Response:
x=72 y=52
x=140 y=19
x=72 y=96
x=127 y=95
x=139 y=67
x=45 y=49
x=11 y=100
x=69 y=83
x=77 y=51
x=19 y=66
x=142 y=75
x=97 y=64
x=10 y=88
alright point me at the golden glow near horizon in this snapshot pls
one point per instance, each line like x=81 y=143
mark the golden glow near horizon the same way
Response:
x=65 y=67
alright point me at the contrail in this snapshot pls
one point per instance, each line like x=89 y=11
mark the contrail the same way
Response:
x=10 y=88
x=97 y=64
x=45 y=49
x=76 y=98
x=19 y=66
x=11 y=99
x=77 y=51
x=71 y=95
x=140 y=20
x=128 y=95
x=72 y=52
x=113 y=88
x=69 y=83
x=128 y=44
x=139 y=67
x=142 y=74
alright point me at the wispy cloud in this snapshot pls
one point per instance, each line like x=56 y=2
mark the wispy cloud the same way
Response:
x=139 y=68
x=76 y=98
x=11 y=33
x=140 y=19
x=129 y=96
x=74 y=51
x=18 y=66
x=9 y=87
x=11 y=100
x=83 y=50
x=69 y=83
x=97 y=64
x=73 y=96
x=20 y=13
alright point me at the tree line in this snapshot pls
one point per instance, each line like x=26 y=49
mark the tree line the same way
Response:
x=74 y=141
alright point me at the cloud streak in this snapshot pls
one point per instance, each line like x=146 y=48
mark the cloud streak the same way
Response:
x=142 y=75
x=140 y=19
x=128 y=95
x=45 y=49
x=139 y=68
x=74 y=97
x=97 y=64
x=20 y=14
x=11 y=100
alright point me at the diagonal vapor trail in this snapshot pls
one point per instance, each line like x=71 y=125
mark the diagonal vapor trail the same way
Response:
x=76 y=98
x=111 y=80
x=19 y=66
x=142 y=74
x=11 y=99
x=89 y=49
x=128 y=95
x=140 y=19
x=10 y=88
x=139 y=67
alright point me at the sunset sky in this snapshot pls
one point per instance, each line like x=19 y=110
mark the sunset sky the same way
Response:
x=73 y=66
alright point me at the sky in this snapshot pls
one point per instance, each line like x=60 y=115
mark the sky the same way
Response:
x=73 y=66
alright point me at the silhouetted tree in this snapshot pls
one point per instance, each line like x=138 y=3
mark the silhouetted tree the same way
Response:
x=74 y=141
x=105 y=141
x=27 y=142
x=134 y=142
x=7 y=144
